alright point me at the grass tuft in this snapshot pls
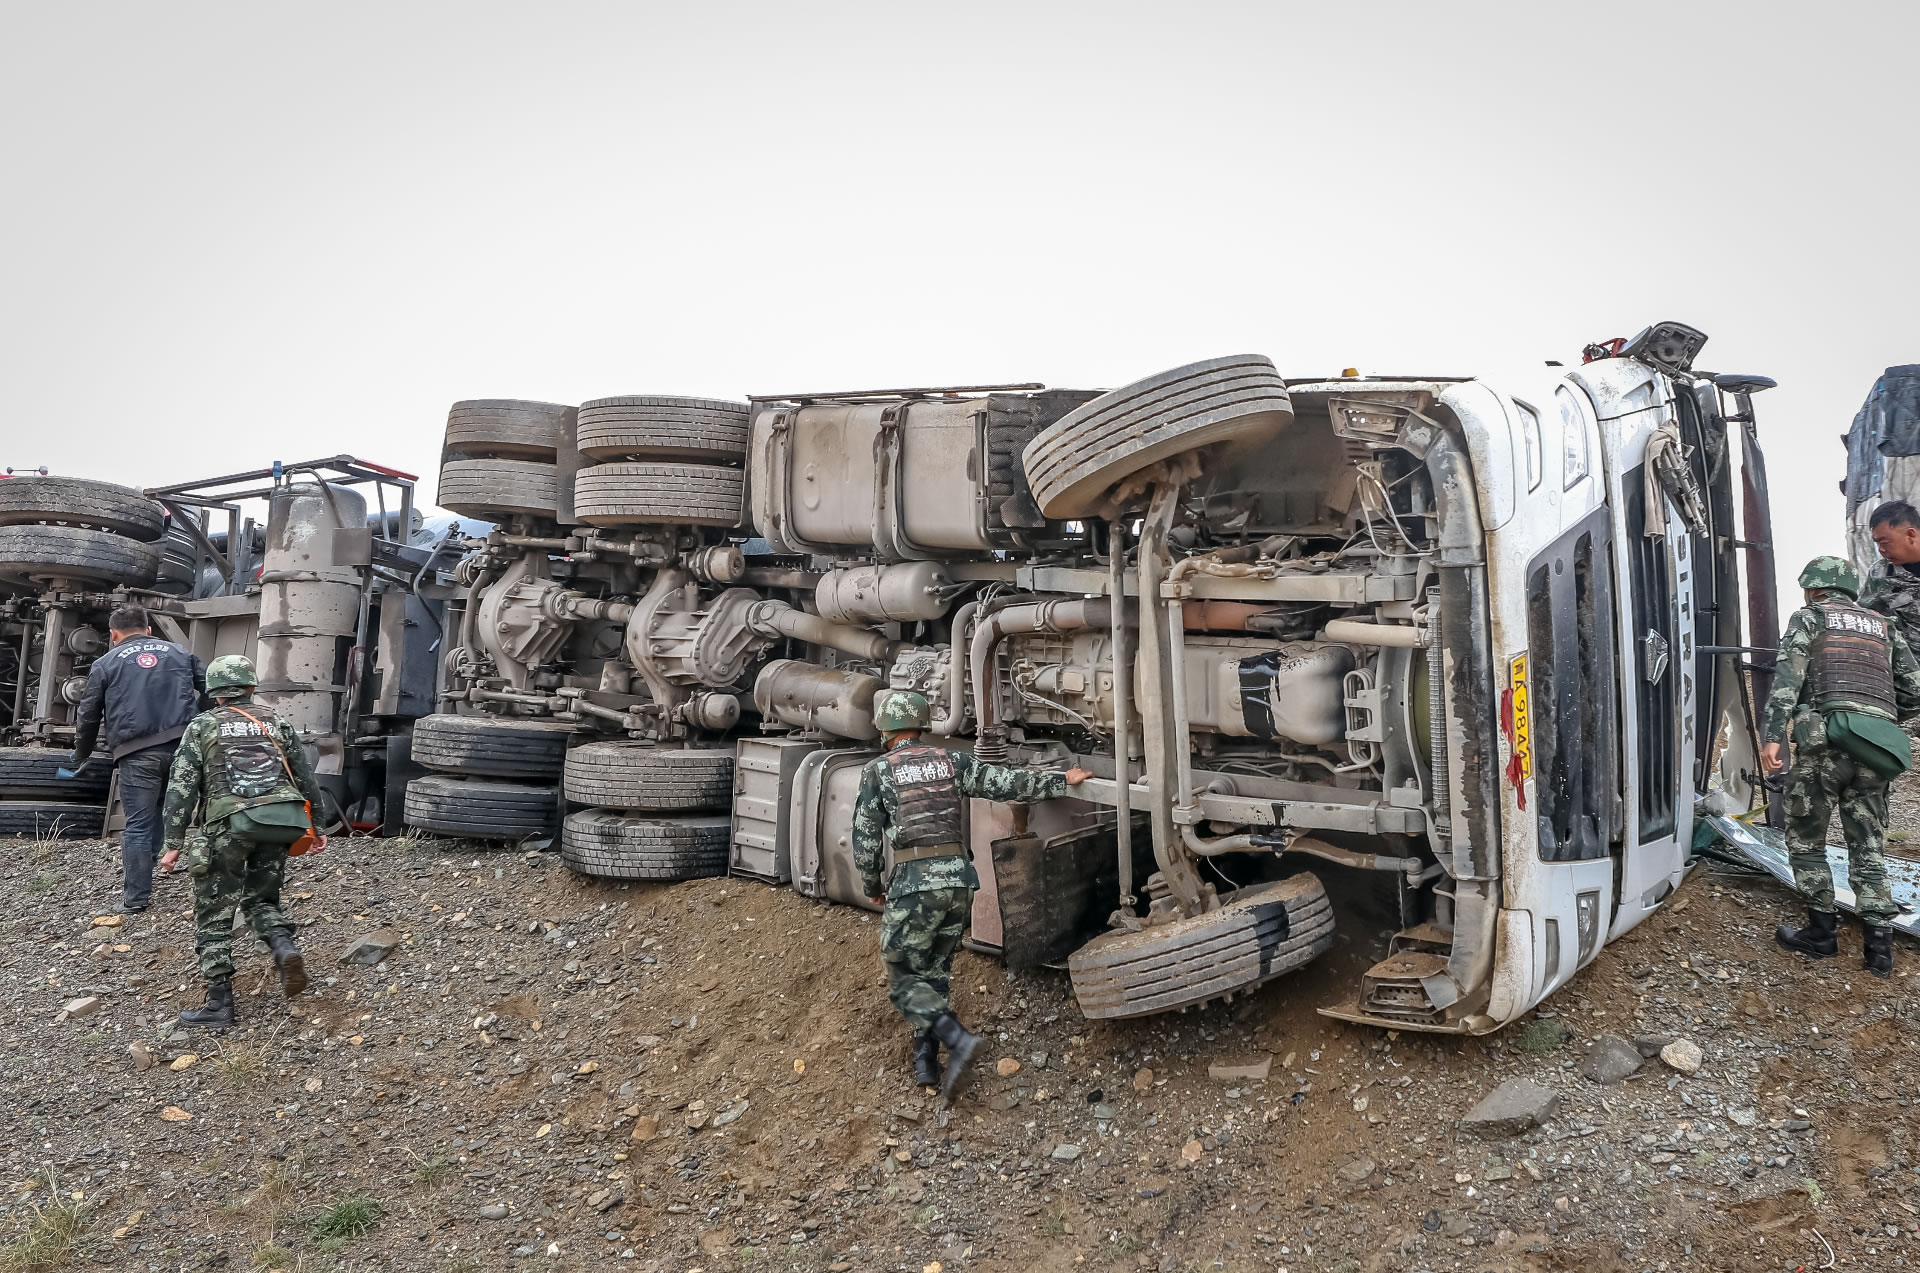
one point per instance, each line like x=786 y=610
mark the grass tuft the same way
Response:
x=46 y=1237
x=347 y=1219
x=431 y=1172
x=240 y=1064
x=273 y=1257
x=279 y=1186
x=1542 y=1034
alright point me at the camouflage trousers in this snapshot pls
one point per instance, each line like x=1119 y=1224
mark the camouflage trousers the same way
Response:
x=919 y=935
x=1819 y=781
x=240 y=875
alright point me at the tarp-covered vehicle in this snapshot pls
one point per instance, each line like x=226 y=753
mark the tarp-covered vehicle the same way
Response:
x=1883 y=457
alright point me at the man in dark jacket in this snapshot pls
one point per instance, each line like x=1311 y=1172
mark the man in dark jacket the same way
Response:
x=142 y=692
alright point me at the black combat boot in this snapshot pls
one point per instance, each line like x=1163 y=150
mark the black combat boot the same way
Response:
x=217 y=1012
x=1879 y=955
x=1817 y=939
x=926 y=1059
x=286 y=957
x=961 y=1045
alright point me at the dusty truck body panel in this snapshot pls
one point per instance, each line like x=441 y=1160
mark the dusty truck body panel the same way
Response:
x=1412 y=653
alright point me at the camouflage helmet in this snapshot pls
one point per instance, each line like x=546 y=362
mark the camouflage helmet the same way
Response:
x=1831 y=572
x=231 y=672
x=902 y=710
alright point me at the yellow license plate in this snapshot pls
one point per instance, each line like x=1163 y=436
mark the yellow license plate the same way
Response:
x=1520 y=728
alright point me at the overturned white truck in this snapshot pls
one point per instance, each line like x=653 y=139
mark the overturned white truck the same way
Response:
x=1468 y=652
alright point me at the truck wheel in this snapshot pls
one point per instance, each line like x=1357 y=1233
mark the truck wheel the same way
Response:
x=1074 y=462
x=28 y=773
x=627 y=494
x=652 y=428
x=619 y=846
x=49 y=820
x=479 y=808
x=1266 y=930
x=494 y=489
x=30 y=554
x=79 y=501
x=621 y=775
x=504 y=428
x=499 y=746
x=178 y=553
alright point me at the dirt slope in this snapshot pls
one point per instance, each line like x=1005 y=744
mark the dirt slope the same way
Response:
x=485 y=1086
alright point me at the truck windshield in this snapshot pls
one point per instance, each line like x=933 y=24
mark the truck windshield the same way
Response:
x=1570 y=696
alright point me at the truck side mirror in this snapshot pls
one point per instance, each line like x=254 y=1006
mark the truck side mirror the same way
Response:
x=1734 y=382
x=1667 y=346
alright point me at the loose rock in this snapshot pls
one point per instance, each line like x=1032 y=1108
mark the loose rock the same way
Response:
x=1683 y=1055
x=371 y=949
x=85 y=1006
x=1651 y=1044
x=1357 y=1170
x=1007 y=1067
x=1256 y=1072
x=1515 y=1106
x=1611 y=1059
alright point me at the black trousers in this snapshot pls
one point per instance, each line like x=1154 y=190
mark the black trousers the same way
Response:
x=143 y=792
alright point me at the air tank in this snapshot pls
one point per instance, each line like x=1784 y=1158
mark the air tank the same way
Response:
x=309 y=612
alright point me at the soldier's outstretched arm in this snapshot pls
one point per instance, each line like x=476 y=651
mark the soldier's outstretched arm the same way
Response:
x=183 y=787
x=1789 y=674
x=1005 y=783
x=869 y=830
x=1906 y=675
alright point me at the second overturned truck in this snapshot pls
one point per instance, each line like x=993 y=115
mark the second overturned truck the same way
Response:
x=1443 y=660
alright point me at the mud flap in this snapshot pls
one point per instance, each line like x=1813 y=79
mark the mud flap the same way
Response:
x=1052 y=893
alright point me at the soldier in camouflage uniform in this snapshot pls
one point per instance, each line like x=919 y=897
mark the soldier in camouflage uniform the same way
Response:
x=1893 y=586
x=909 y=801
x=1841 y=667
x=243 y=771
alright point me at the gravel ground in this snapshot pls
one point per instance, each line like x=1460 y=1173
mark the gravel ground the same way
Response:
x=548 y=1073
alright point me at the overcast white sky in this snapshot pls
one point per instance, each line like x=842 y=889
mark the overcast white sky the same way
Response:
x=240 y=232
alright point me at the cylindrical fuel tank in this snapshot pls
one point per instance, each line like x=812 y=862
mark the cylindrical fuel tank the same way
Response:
x=309 y=611
x=902 y=593
x=809 y=696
